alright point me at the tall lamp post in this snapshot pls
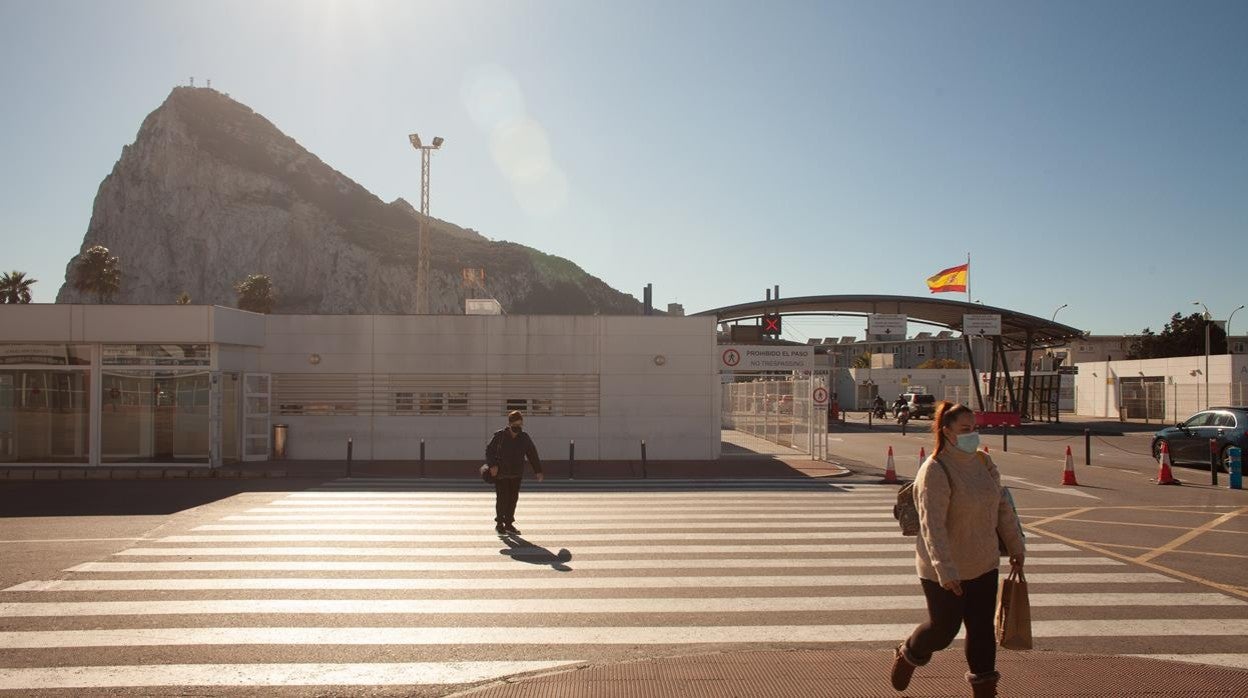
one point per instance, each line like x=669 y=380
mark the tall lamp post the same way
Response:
x=1228 y=328
x=1054 y=318
x=1208 y=318
x=422 y=260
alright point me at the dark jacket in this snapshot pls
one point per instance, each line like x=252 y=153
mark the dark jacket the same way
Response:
x=508 y=453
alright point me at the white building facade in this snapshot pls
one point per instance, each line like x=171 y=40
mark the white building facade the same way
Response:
x=100 y=384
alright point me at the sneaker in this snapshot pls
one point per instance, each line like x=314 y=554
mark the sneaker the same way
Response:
x=510 y=528
x=902 y=669
x=500 y=529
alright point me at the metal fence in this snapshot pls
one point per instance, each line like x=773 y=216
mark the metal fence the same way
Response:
x=780 y=411
x=1152 y=400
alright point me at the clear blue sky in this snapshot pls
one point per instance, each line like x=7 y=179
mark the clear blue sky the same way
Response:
x=1089 y=153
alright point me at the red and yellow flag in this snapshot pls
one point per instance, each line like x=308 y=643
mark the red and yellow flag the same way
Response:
x=948 y=280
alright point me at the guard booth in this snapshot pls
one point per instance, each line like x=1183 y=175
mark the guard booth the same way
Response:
x=773 y=392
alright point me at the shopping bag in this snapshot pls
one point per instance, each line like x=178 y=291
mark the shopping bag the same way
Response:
x=1014 y=612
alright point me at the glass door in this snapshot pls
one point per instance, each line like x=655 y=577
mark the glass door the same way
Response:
x=256 y=397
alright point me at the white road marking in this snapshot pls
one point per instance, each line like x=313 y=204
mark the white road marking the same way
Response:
x=559 y=606
x=1239 y=661
x=301 y=674
x=562 y=538
x=1072 y=491
x=583 y=635
x=495 y=549
x=395 y=522
x=559 y=582
x=665 y=563
x=71 y=540
x=486 y=511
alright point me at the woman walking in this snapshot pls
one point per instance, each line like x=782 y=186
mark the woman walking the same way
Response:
x=962 y=511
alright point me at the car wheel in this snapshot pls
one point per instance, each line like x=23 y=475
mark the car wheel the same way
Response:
x=1225 y=459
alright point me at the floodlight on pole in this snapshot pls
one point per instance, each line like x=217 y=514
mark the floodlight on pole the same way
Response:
x=422 y=261
x=1054 y=318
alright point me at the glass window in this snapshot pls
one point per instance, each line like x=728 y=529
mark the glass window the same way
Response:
x=1199 y=420
x=431 y=403
x=154 y=416
x=231 y=392
x=44 y=416
x=45 y=354
x=457 y=402
x=155 y=355
x=1224 y=419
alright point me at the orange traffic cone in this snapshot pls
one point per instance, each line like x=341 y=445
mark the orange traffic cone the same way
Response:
x=1164 y=476
x=890 y=471
x=1068 y=475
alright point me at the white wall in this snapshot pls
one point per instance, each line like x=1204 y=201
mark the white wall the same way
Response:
x=1098 y=394
x=670 y=402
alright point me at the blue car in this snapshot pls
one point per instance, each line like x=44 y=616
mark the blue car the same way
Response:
x=1189 y=440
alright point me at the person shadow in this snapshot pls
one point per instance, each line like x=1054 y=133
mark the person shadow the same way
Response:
x=522 y=550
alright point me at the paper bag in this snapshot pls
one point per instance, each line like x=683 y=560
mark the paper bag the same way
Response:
x=1014 y=612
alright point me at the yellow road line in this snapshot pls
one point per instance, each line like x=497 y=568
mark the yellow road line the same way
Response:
x=1191 y=535
x=1059 y=517
x=1148 y=525
x=1224 y=588
x=1177 y=552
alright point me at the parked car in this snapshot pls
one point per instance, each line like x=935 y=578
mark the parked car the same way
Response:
x=1189 y=440
x=921 y=405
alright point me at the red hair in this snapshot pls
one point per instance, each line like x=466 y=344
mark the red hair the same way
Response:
x=946 y=413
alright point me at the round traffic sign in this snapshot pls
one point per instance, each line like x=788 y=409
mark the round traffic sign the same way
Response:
x=731 y=357
x=821 y=396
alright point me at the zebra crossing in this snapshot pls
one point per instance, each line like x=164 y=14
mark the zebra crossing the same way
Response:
x=400 y=583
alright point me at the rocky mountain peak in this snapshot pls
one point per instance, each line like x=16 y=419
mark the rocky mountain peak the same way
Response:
x=210 y=192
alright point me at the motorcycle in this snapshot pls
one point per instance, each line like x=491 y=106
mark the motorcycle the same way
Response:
x=879 y=412
x=903 y=414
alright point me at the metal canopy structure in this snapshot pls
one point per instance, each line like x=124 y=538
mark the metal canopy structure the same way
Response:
x=1019 y=331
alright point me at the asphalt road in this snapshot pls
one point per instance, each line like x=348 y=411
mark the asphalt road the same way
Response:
x=378 y=587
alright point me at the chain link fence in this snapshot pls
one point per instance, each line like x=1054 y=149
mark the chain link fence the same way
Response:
x=1152 y=400
x=780 y=411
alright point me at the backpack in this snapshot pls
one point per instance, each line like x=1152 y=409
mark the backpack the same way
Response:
x=905 y=511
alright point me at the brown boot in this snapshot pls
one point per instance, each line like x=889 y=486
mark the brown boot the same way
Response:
x=985 y=686
x=902 y=668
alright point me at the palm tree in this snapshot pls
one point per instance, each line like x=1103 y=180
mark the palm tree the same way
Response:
x=184 y=298
x=15 y=287
x=95 y=271
x=863 y=360
x=255 y=293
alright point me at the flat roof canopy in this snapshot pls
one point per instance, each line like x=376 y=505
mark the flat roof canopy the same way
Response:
x=1016 y=328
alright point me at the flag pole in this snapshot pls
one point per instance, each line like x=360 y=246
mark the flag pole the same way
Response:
x=968 y=277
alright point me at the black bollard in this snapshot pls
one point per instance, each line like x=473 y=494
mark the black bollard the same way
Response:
x=571 y=460
x=1005 y=437
x=870 y=413
x=644 y=474
x=1087 y=447
x=1213 y=460
x=350 y=447
x=422 y=457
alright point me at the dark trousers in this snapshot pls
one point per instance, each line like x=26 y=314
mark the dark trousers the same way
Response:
x=947 y=612
x=506 y=494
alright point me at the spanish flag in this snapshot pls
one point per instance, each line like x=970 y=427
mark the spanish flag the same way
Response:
x=949 y=280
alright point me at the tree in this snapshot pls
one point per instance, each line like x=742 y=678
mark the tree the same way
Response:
x=1182 y=336
x=863 y=360
x=942 y=363
x=15 y=287
x=184 y=298
x=95 y=271
x=255 y=293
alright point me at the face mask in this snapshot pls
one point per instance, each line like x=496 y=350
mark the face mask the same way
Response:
x=968 y=442
x=516 y=428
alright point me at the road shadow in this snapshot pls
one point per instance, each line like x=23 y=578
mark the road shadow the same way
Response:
x=522 y=550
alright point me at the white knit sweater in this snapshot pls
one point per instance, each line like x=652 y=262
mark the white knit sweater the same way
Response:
x=958 y=528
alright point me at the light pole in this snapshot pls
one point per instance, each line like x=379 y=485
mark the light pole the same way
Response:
x=422 y=259
x=1054 y=318
x=1228 y=328
x=1208 y=317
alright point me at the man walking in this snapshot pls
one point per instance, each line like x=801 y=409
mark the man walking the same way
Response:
x=505 y=456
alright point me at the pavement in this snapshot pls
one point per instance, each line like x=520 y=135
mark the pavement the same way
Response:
x=842 y=672
x=858 y=673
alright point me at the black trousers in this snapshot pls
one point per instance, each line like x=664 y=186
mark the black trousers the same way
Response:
x=506 y=494
x=947 y=613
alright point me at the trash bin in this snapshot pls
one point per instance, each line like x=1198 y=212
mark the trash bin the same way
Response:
x=279 y=440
